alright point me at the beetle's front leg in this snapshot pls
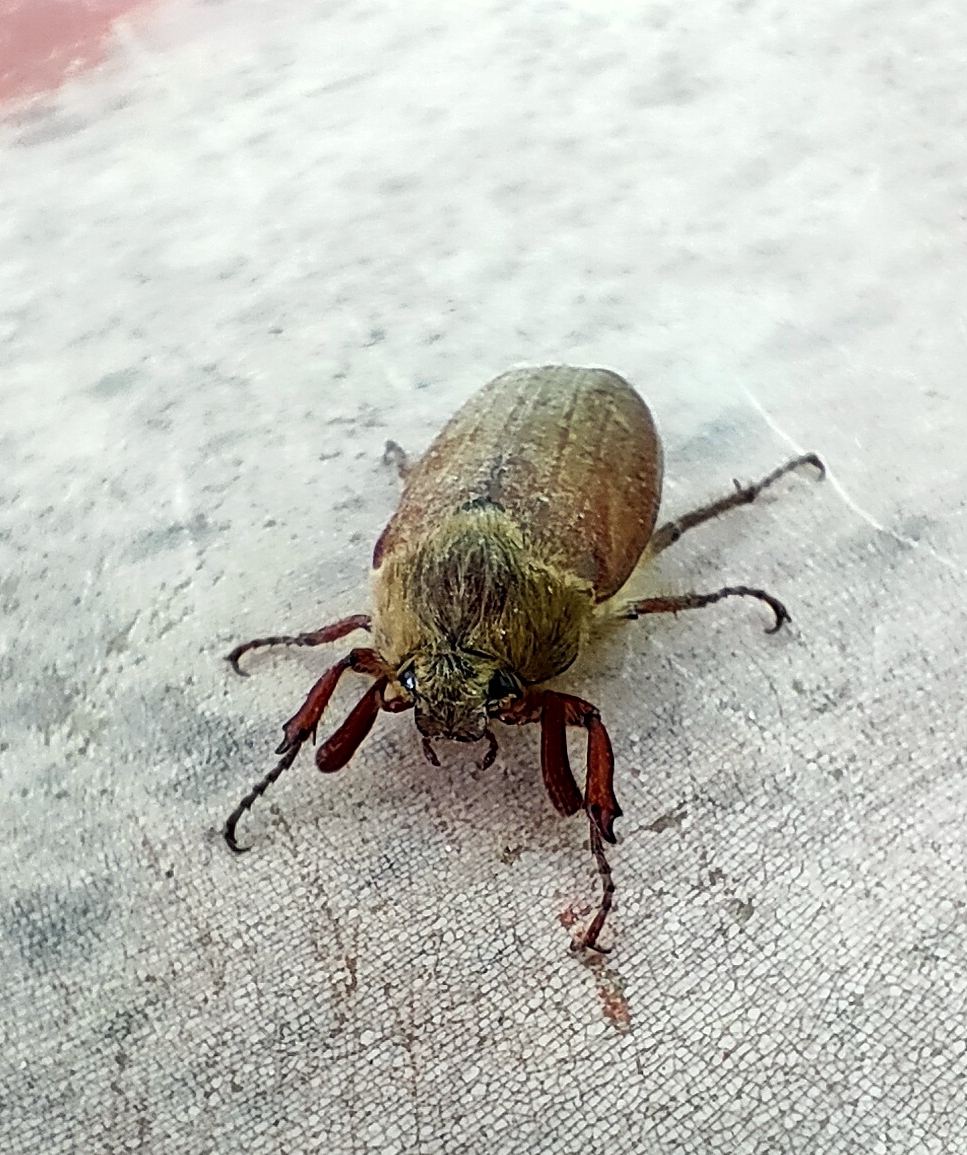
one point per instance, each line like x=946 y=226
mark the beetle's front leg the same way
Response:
x=555 y=765
x=302 y=726
x=556 y=712
x=339 y=748
x=589 y=940
x=599 y=799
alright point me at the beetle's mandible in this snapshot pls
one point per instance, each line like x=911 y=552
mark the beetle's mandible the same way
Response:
x=521 y=522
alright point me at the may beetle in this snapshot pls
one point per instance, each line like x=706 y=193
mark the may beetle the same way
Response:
x=519 y=525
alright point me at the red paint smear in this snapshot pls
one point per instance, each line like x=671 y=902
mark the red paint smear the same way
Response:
x=43 y=42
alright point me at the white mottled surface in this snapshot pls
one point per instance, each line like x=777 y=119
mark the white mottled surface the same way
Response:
x=232 y=264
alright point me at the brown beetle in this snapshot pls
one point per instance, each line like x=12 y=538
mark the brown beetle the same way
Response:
x=520 y=523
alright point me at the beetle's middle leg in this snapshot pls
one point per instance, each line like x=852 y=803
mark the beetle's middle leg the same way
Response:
x=330 y=633
x=671 y=531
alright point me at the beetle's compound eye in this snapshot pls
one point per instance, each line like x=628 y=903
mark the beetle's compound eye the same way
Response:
x=407 y=680
x=502 y=685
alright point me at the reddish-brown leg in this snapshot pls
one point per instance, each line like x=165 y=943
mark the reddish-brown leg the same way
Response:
x=671 y=531
x=555 y=765
x=599 y=799
x=302 y=726
x=671 y=605
x=340 y=746
x=330 y=633
x=589 y=939
x=556 y=712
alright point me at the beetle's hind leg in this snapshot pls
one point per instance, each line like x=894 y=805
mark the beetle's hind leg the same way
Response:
x=671 y=531
x=330 y=633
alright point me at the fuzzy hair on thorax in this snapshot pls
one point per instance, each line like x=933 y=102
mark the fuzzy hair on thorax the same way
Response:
x=474 y=586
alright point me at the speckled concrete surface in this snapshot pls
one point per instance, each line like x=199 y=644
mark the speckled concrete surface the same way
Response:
x=232 y=263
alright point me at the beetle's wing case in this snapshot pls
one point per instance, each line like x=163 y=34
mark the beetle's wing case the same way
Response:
x=570 y=454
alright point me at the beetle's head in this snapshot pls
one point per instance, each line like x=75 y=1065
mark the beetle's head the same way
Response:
x=455 y=691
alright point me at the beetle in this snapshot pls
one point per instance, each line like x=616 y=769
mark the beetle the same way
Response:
x=516 y=529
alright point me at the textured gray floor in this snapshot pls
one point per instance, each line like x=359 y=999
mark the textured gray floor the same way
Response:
x=231 y=265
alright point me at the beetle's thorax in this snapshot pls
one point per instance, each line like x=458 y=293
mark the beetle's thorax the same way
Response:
x=469 y=597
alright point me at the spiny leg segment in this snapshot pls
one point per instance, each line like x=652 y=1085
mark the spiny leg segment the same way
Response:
x=330 y=633
x=671 y=531
x=590 y=938
x=672 y=604
x=556 y=712
x=340 y=746
x=255 y=793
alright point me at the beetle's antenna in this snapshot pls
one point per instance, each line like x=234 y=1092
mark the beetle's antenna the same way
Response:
x=256 y=792
x=589 y=941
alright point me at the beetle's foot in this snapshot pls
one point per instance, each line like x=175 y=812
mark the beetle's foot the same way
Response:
x=488 y=759
x=229 y=834
x=394 y=454
x=582 y=946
